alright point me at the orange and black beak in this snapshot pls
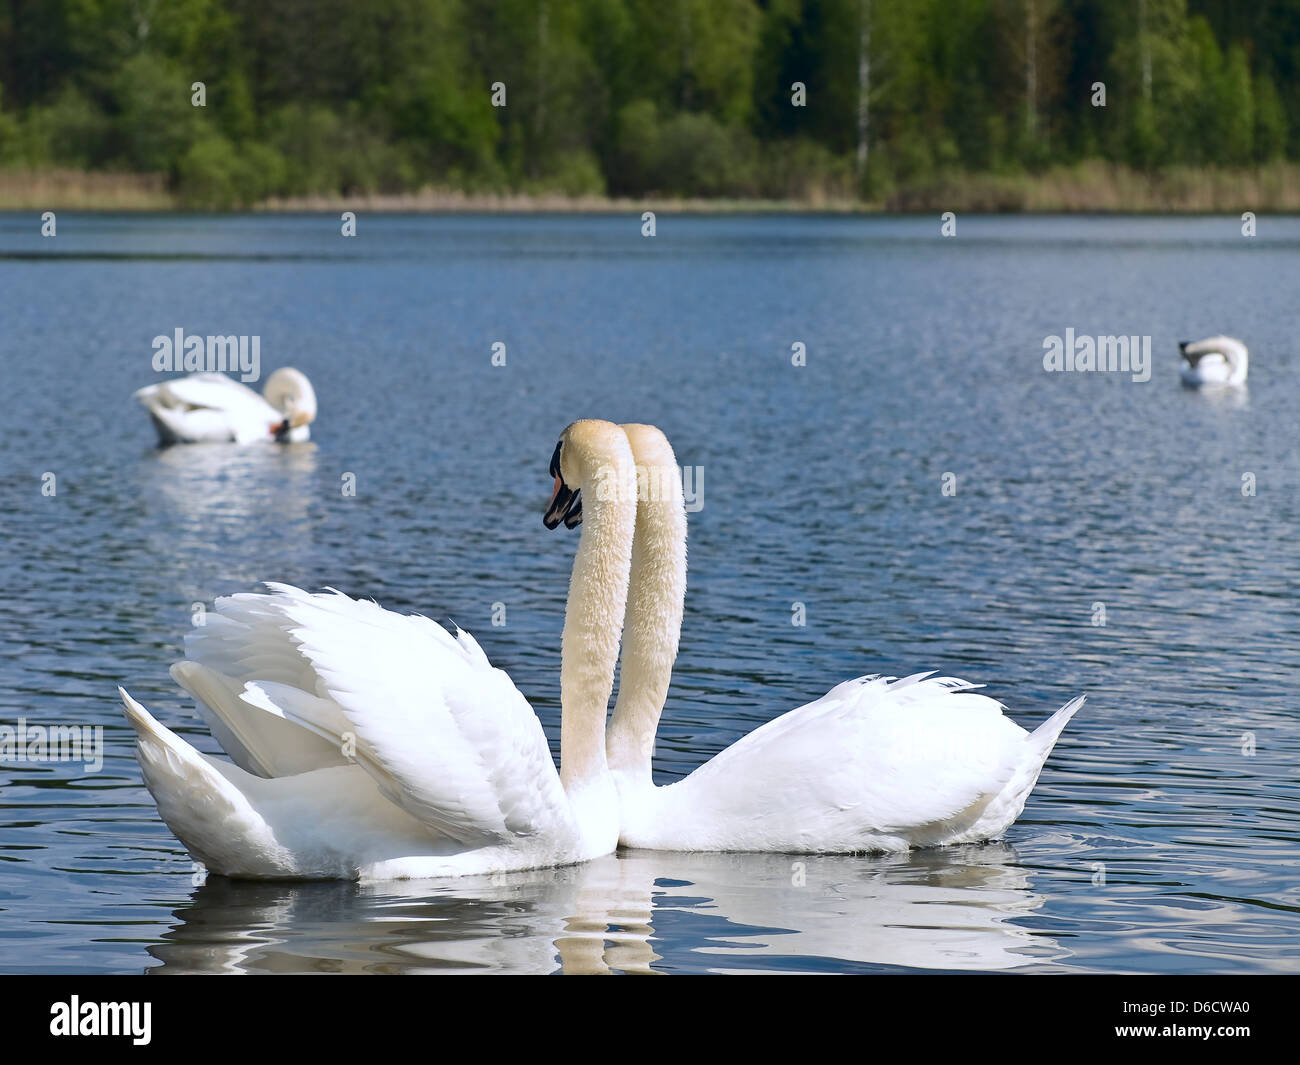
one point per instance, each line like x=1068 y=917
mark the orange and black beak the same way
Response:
x=566 y=504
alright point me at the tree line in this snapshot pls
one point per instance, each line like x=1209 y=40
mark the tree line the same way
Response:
x=784 y=99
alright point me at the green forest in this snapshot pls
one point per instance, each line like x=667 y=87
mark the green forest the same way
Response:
x=810 y=101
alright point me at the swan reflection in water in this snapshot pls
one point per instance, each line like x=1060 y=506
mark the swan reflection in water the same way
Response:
x=209 y=507
x=637 y=912
x=1224 y=397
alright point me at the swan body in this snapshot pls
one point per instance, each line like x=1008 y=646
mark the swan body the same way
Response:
x=876 y=764
x=1214 y=361
x=371 y=745
x=211 y=407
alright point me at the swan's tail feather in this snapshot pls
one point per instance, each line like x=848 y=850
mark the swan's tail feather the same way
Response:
x=167 y=760
x=153 y=736
x=1045 y=736
x=203 y=807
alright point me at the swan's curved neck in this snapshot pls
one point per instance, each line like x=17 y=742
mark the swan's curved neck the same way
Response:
x=656 y=597
x=1233 y=352
x=1236 y=355
x=593 y=617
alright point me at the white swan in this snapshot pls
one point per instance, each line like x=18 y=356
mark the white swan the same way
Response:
x=1214 y=361
x=876 y=764
x=210 y=407
x=375 y=745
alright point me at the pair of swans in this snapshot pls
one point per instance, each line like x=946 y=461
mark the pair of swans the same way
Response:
x=373 y=745
x=1214 y=361
x=211 y=407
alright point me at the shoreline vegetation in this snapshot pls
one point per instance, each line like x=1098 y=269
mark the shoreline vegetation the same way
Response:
x=1090 y=187
x=901 y=106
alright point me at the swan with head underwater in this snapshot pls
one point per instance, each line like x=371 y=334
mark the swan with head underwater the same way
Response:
x=211 y=408
x=374 y=745
x=1214 y=361
x=876 y=764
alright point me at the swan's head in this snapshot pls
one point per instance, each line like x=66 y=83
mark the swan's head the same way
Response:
x=590 y=454
x=652 y=452
x=289 y=392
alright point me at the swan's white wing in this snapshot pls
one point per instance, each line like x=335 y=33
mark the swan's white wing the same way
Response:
x=235 y=660
x=213 y=390
x=873 y=760
x=288 y=682
x=209 y=406
x=247 y=717
x=446 y=736
x=328 y=823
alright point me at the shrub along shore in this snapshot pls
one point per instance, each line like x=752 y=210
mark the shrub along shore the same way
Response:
x=1090 y=187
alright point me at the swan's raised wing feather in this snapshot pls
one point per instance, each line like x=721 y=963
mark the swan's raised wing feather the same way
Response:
x=447 y=736
x=292 y=681
x=242 y=652
x=253 y=729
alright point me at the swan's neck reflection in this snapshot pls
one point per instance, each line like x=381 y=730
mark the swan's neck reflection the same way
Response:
x=634 y=912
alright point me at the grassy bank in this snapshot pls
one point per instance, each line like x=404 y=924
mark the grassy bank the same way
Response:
x=1084 y=187
x=1098 y=186
x=81 y=190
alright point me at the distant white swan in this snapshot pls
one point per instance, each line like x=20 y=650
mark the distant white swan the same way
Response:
x=210 y=407
x=876 y=764
x=374 y=745
x=1214 y=361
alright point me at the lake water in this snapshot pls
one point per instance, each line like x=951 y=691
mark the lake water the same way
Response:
x=1134 y=541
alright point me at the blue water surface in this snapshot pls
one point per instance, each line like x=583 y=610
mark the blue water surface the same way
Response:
x=1127 y=539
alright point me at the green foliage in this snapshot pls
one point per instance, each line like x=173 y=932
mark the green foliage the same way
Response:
x=70 y=131
x=688 y=154
x=215 y=174
x=10 y=132
x=639 y=97
x=1236 y=109
x=154 y=121
x=1270 y=121
x=698 y=155
x=210 y=174
x=574 y=174
x=803 y=170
